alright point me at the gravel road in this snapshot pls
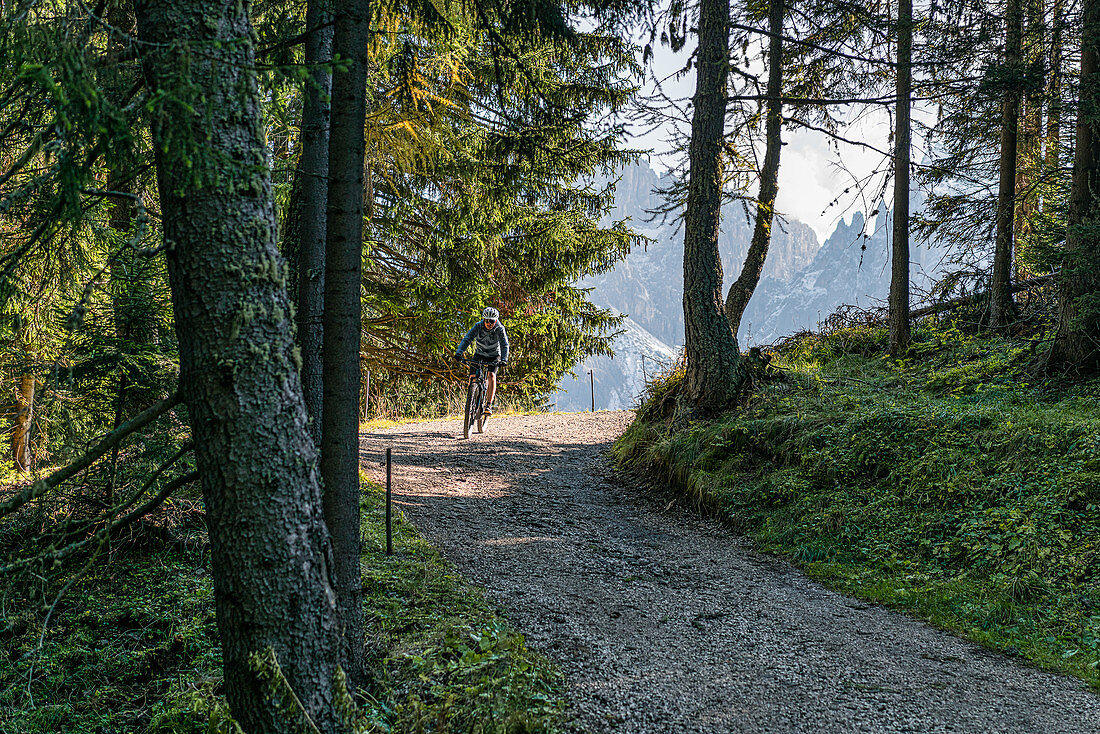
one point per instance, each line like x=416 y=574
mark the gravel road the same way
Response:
x=664 y=621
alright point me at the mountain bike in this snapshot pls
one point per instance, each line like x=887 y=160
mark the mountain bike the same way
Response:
x=475 y=396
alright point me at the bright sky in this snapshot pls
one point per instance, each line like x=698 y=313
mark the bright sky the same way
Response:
x=809 y=176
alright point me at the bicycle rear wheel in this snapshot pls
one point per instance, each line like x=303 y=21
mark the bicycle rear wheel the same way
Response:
x=473 y=398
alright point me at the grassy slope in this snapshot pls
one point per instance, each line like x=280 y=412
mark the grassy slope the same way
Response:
x=949 y=484
x=132 y=647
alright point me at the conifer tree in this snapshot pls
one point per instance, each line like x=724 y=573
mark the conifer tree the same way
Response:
x=1078 y=330
x=1001 y=305
x=714 y=370
x=899 y=257
x=269 y=548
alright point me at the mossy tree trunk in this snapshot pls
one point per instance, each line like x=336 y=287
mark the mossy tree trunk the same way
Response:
x=737 y=299
x=1077 y=340
x=715 y=371
x=1000 y=294
x=343 y=324
x=270 y=551
x=899 y=260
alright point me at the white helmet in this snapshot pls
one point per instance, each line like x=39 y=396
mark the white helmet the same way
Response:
x=490 y=314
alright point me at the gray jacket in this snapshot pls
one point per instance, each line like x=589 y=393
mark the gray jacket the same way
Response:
x=491 y=344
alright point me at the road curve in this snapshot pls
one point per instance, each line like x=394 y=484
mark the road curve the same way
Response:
x=666 y=622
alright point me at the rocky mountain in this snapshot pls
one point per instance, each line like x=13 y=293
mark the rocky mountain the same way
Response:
x=851 y=268
x=802 y=284
x=648 y=287
x=648 y=284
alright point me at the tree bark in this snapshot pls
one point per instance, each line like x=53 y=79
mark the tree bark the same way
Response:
x=1030 y=146
x=313 y=189
x=343 y=324
x=22 y=456
x=899 y=261
x=1001 y=306
x=1054 y=86
x=128 y=287
x=739 y=294
x=270 y=551
x=715 y=371
x=1077 y=339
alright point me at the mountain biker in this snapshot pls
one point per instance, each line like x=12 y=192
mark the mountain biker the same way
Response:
x=491 y=346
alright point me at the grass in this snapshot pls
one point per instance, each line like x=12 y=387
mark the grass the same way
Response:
x=132 y=646
x=951 y=484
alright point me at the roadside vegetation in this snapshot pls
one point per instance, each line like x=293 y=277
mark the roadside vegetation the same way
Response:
x=954 y=483
x=133 y=646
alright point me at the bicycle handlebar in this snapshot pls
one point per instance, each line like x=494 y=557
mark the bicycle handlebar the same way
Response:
x=468 y=360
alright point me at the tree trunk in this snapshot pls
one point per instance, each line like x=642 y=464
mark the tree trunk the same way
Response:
x=715 y=372
x=342 y=324
x=1001 y=306
x=270 y=552
x=1054 y=86
x=1078 y=334
x=128 y=287
x=1030 y=147
x=737 y=299
x=22 y=456
x=312 y=190
x=899 y=262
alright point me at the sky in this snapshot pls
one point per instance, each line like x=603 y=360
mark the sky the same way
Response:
x=810 y=178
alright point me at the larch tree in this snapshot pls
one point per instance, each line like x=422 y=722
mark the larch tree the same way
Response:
x=270 y=552
x=714 y=369
x=740 y=292
x=899 y=259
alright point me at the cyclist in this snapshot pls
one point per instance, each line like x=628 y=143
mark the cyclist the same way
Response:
x=491 y=346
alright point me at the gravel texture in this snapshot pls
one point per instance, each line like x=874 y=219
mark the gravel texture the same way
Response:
x=664 y=621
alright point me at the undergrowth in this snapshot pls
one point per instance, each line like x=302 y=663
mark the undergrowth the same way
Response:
x=132 y=646
x=952 y=483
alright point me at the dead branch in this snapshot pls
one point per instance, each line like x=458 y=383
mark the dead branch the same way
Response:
x=112 y=439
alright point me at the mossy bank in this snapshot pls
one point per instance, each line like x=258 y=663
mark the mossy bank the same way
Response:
x=133 y=647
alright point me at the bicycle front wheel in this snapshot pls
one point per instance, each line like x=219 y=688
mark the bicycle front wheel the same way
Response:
x=472 y=400
x=481 y=418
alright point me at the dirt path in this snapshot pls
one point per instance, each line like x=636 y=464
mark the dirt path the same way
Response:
x=664 y=622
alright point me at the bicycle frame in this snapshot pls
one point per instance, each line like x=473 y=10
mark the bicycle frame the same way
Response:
x=475 y=395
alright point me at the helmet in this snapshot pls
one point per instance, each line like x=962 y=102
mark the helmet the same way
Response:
x=490 y=314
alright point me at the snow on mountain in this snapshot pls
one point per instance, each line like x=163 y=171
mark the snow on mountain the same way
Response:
x=620 y=379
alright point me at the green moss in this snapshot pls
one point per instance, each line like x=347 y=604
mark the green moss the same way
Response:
x=133 y=647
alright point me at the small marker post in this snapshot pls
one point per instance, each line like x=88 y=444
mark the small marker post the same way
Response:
x=389 y=495
x=592 y=386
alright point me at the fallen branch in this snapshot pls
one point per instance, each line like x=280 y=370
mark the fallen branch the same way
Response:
x=105 y=532
x=112 y=439
x=963 y=301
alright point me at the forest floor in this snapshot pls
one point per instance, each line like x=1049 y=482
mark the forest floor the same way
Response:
x=663 y=620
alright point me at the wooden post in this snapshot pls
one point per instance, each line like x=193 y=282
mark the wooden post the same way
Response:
x=389 y=503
